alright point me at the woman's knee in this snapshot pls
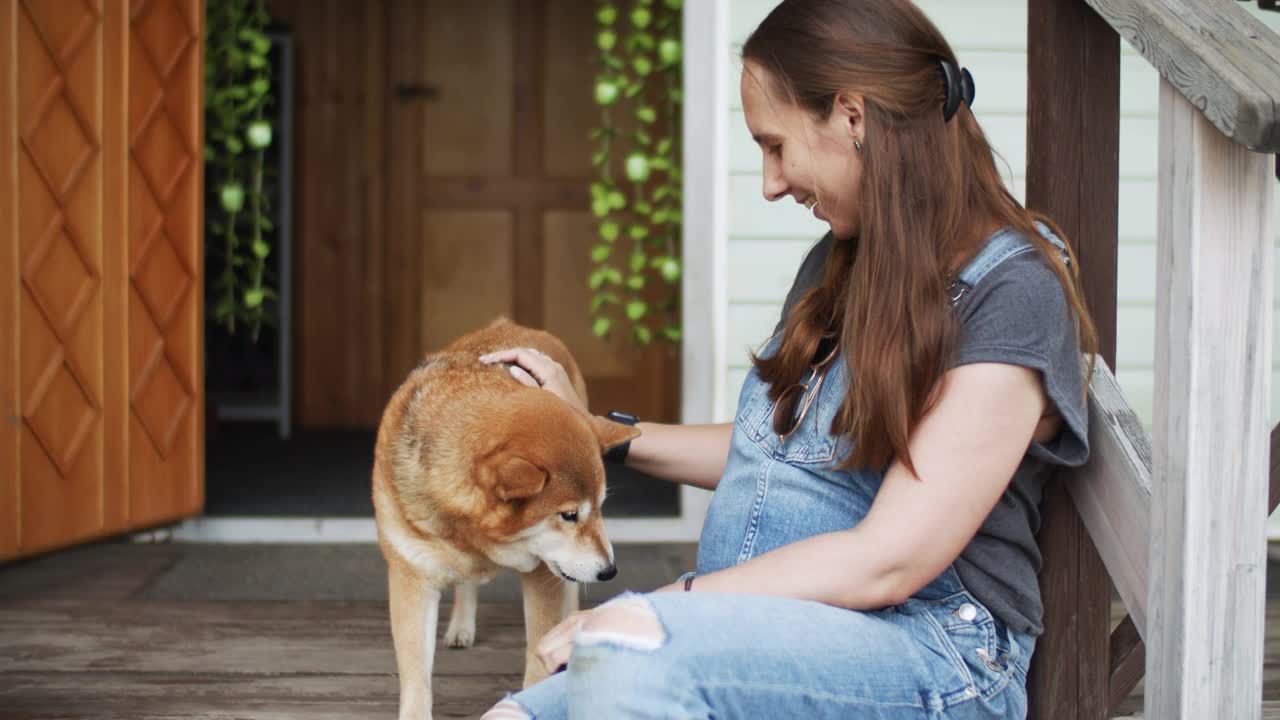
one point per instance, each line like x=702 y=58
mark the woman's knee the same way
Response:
x=629 y=622
x=506 y=710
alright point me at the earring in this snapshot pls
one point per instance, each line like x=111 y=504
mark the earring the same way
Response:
x=857 y=144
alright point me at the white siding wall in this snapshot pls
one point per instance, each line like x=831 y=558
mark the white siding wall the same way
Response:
x=767 y=242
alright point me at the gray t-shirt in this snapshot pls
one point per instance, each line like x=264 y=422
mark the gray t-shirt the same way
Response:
x=1016 y=314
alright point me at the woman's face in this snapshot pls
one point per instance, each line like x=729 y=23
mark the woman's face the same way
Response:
x=807 y=159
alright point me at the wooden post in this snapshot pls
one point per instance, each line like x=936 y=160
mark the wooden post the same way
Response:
x=1213 y=376
x=1073 y=131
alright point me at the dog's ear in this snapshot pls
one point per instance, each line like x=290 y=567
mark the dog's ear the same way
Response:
x=612 y=434
x=517 y=478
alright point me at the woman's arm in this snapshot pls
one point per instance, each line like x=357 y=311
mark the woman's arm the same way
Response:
x=965 y=450
x=687 y=454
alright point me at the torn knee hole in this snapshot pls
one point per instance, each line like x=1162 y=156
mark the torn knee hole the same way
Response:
x=506 y=710
x=628 y=622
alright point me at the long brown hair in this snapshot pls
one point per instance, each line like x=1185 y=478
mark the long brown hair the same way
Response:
x=930 y=197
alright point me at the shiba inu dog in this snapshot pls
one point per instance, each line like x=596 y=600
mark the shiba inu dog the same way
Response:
x=475 y=472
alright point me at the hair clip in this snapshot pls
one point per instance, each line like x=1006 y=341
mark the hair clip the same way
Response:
x=958 y=86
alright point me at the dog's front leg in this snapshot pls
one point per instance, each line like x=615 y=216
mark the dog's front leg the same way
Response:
x=544 y=601
x=415 y=613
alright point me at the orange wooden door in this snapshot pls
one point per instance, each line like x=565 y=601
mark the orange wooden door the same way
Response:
x=100 y=263
x=490 y=110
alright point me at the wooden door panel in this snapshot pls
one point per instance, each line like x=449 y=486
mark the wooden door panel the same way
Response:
x=60 y=174
x=467 y=56
x=568 y=107
x=10 y=418
x=166 y=448
x=100 y=313
x=466 y=272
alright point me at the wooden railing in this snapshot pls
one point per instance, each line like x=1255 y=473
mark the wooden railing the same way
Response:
x=1178 y=523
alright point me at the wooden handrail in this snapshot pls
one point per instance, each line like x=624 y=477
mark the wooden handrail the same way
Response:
x=1222 y=59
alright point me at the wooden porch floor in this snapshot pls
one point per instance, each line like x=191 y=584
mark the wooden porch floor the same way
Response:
x=146 y=632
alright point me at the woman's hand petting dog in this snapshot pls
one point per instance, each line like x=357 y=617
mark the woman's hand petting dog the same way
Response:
x=535 y=369
x=556 y=646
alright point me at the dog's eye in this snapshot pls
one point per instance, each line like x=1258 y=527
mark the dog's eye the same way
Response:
x=569 y=516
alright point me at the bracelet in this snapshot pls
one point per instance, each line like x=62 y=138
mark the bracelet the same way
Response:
x=688 y=583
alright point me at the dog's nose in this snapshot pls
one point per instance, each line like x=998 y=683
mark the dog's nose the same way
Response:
x=607 y=573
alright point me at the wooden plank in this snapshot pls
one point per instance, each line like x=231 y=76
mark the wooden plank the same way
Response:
x=1112 y=492
x=115 y=267
x=1128 y=662
x=528 y=260
x=1213 y=362
x=1073 y=104
x=10 y=413
x=404 y=220
x=374 y=210
x=1220 y=58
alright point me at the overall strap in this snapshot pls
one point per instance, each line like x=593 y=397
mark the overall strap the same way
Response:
x=1006 y=243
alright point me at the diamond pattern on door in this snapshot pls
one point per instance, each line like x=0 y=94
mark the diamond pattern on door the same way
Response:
x=61 y=280
x=160 y=396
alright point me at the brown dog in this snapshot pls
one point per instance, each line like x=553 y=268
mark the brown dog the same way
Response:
x=474 y=472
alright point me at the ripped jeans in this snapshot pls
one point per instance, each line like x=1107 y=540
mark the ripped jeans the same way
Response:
x=754 y=656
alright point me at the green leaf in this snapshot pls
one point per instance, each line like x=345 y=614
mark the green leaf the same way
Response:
x=606 y=39
x=634 y=89
x=640 y=17
x=635 y=282
x=600 y=253
x=265 y=223
x=637 y=167
x=664 y=145
x=609 y=231
x=606 y=15
x=637 y=261
x=646 y=114
x=261 y=249
x=606 y=92
x=661 y=193
x=643 y=207
x=253 y=297
x=613 y=276
x=673 y=4
x=669 y=51
x=614 y=62
x=617 y=200
x=642 y=65
x=601 y=327
x=256 y=61
x=597 y=158
x=637 y=309
x=643 y=138
x=596 y=279
x=643 y=334
x=260 y=86
x=669 y=269
x=234 y=146
x=672 y=333
x=600 y=208
x=604 y=298
x=599 y=191
x=660 y=216
x=676 y=95
x=644 y=40
x=638 y=232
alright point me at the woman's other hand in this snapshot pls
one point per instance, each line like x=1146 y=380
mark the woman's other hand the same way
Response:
x=535 y=369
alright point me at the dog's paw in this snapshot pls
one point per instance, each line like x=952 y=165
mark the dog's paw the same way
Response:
x=460 y=637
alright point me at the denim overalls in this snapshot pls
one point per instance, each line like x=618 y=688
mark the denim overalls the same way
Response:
x=940 y=654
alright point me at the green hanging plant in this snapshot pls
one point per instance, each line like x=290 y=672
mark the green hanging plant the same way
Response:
x=637 y=195
x=238 y=229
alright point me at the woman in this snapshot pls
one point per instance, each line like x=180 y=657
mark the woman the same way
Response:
x=869 y=550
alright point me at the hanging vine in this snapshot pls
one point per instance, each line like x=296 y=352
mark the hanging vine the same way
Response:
x=637 y=197
x=238 y=231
